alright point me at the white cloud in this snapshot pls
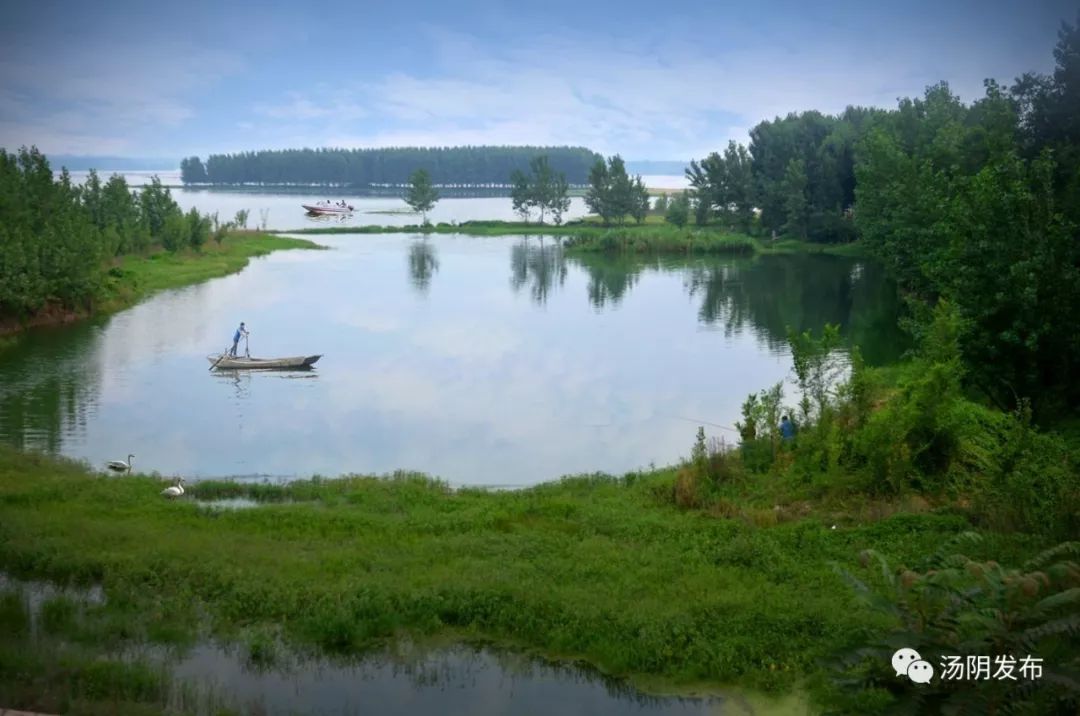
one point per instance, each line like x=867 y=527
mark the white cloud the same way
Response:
x=675 y=101
x=103 y=99
x=297 y=107
x=680 y=93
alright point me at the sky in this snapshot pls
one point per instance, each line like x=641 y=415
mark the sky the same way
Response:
x=673 y=80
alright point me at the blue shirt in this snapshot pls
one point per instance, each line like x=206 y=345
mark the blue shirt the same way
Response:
x=236 y=337
x=787 y=429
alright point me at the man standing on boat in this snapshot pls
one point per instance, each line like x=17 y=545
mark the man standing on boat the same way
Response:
x=241 y=331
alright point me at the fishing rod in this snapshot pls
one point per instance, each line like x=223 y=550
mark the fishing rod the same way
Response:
x=699 y=422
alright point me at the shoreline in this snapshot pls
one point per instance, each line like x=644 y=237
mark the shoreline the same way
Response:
x=657 y=236
x=132 y=278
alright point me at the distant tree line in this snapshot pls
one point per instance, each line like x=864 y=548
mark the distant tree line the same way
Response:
x=57 y=236
x=484 y=165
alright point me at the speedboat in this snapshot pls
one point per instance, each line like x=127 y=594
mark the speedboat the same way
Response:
x=327 y=207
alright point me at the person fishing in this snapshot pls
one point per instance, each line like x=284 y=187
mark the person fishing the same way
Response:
x=241 y=331
x=787 y=428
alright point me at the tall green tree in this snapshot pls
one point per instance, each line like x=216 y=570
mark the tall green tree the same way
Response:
x=542 y=189
x=521 y=194
x=560 y=203
x=639 y=208
x=611 y=193
x=421 y=195
x=796 y=205
x=702 y=208
x=738 y=205
x=678 y=210
x=621 y=189
x=598 y=195
x=198 y=229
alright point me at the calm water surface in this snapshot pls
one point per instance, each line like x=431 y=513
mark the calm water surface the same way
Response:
x=403 y=679
x=486 y=361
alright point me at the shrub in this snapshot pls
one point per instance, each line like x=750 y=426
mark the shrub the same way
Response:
x=760 y=427
x=711 y=464
x=955 y=606
x=1028 y=482
x=175 y=232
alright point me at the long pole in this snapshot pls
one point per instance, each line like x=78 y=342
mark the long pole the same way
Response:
x=221 y=358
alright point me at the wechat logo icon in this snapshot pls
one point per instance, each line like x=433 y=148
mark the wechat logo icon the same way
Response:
x=907 y=662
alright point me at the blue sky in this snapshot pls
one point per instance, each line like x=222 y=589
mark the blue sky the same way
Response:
x=670 y=80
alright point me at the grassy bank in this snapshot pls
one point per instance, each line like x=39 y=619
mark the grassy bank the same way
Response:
x=855 y=249
x=652 y=236
x=137 y=277
x=132 y=278
x=604 y=569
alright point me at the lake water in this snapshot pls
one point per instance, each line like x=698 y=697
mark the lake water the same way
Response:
x=483 y=361
x=401 y=679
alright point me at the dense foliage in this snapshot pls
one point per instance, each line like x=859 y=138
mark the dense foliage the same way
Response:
x=798 y=173
x=978 y=204
x=917 y=433
x=543 y=189
x=613 y=195
x=953 y=607
x=387 y=166
x=56 y=236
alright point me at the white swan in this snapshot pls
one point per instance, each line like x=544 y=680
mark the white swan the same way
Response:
x=176 y=490
x=120 y=465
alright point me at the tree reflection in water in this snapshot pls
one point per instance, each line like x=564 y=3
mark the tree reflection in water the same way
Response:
x=539 y=266
x=423 y=264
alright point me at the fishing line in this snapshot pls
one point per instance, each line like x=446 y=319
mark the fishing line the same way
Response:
x=699 y=422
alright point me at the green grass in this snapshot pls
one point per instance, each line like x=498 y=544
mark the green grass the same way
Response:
x=793 y=246
x=603 y=569
x=660 y=239
x=590 y=235
x=139 y=276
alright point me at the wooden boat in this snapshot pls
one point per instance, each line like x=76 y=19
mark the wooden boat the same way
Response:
x=246 y=363
x=324 y=208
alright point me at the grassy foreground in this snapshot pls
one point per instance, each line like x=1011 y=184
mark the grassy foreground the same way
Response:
x=599 y=568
